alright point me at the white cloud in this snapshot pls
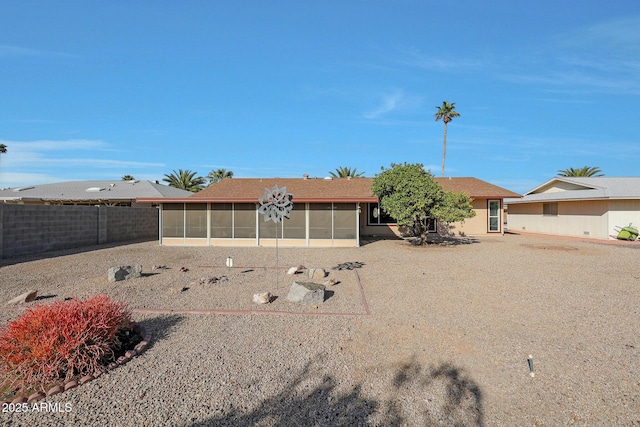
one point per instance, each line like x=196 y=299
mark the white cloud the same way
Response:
x=414 y=58
x=18 y=179
x=391 y=103
x=8 y=51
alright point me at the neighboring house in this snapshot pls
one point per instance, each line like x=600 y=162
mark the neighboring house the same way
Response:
x=327 y=212
x=109 y=193
x=581 y=207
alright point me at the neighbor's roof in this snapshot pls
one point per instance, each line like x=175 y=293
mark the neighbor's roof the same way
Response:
x=246 y=190
x=574 y=188
x=91 y=191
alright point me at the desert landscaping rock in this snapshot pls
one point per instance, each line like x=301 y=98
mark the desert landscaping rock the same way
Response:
x=178 y=289
x=71 y=384
x=36 y=397
x=24 y=298
x=86 y=379
x=262 y=298
x=124 y=272
x=316 y=273
x=446 y=343
x=55 y=390
x=308 y=293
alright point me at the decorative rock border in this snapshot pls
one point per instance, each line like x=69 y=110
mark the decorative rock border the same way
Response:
x=129 y=354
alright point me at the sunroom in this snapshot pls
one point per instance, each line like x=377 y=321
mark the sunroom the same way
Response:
x=240 y=224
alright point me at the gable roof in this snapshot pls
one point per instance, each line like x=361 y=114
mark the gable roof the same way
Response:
x=249 y=190
x=579 y=188
x=475 y=188
x=83 y=191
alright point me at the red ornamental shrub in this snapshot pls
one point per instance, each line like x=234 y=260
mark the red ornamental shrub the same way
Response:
x=58 y=341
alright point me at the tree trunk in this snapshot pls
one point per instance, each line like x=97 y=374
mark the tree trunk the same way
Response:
x=444 y=148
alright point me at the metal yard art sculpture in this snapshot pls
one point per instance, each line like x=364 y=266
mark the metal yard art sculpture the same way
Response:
x=276 y=205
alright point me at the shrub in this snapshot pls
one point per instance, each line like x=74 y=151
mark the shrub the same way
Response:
x=59 y=341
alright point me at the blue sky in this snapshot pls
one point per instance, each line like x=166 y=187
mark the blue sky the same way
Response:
x=97 y=90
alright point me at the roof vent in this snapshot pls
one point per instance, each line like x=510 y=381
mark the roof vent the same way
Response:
x=132 y=181
x=112 y=185
x=22 y=189
x=305 y=176
x=94 y=189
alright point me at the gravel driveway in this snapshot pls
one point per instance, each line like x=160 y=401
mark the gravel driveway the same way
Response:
x=436 y=335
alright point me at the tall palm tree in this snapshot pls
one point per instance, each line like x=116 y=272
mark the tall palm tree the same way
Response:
x=345 y=172
x=218 y=175
x=3 y=149
x=128 y=178
x=185 y=180
x=585 y=171
x=446 y=112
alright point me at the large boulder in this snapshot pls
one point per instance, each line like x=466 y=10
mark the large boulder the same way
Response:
x=306 y=293
x=124 y=272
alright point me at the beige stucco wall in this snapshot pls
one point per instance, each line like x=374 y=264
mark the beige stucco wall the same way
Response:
x=576 y=218
x=479 y=224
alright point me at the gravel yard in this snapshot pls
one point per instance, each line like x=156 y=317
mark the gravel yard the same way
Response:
x=441 y=337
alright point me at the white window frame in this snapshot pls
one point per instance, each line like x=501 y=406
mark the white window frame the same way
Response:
x=489 y=216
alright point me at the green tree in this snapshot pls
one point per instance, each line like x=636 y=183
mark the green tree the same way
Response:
x=185 y=180
x=3 y=149
x=410 y=195
x=446 y=112
x=585 y=171
x=345 y=172
x=128 y=178
x=218 y=175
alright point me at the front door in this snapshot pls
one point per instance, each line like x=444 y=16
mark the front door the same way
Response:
x=494 y=216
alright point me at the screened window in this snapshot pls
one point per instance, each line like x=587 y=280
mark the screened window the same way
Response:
x=344 y=221
x=244 y=215
x=294 y=227
x=550 y=209
x=376 y=216
x=173 y=220
x=267 y=229
x=432 y=225
x=196 y=218
x=320 y=220
x=221 y=220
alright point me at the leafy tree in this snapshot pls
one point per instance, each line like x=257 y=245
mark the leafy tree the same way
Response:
x=218 y=175
x=410 y=195
x=446 y=112
x=185 y=180
x=345 y=172
x=585 y=171
x=128 y=178
x=3 y=149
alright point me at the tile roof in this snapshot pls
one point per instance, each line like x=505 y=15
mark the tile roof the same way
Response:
x=475 y=188
x=327 y=190
x=92 y=190
x=303 y=190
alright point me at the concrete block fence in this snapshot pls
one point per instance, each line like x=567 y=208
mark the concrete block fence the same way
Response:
x=32 y=229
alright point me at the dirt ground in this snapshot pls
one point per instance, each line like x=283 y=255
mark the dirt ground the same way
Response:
x=437 y=335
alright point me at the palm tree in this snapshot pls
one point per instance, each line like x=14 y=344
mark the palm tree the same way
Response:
x=345 y=172
x=185 y=180
x=128 y=178
x=3 y=149
x=218 y=175
x=446 y=112
x=585 y=171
